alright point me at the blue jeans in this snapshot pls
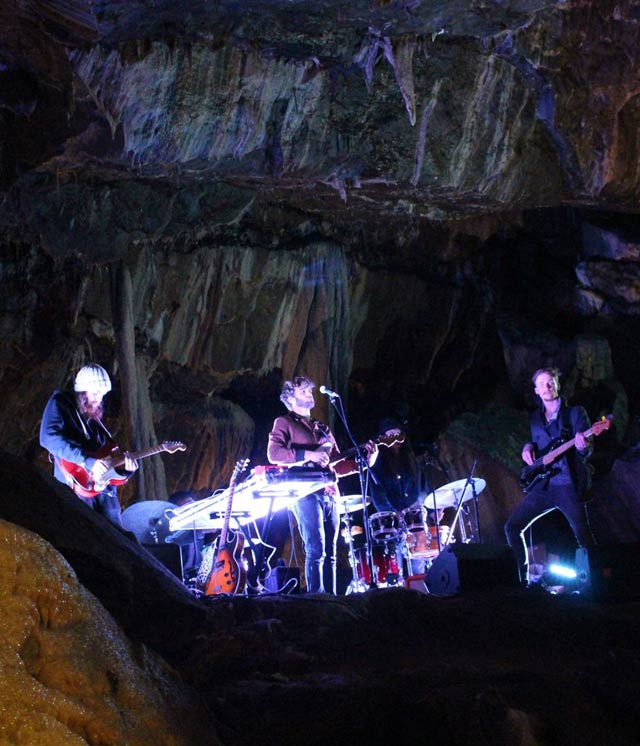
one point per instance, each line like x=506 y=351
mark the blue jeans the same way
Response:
x=541 y=500
x=108 y=505
x=318 y=521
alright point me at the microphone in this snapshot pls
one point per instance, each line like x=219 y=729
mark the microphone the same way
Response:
x=332 y=394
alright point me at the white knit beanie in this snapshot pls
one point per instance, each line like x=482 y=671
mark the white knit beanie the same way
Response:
x=93 y=378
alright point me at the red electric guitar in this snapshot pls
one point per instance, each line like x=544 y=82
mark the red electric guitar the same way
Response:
x=81 y=481
x=228 y=572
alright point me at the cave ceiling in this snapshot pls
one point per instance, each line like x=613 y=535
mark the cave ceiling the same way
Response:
x=394 y=124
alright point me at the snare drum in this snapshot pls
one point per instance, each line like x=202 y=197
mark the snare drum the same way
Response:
x=384 y=526
x=414 y=519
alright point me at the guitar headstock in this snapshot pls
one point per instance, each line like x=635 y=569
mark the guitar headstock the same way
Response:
x=240 y=466
x=602 y=424
x=171 y=446
x=390 y=440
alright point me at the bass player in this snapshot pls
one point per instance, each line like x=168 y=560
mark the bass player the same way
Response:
x=72 y=430
x=567 y=483
x=296 y=439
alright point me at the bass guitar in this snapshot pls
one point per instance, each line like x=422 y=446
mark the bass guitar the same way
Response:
x=83 y=484
x=228 y=572
x=542 y=467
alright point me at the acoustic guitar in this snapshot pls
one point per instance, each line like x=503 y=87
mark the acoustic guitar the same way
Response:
x=228 y=572
x=83 y=484
x=542 y=467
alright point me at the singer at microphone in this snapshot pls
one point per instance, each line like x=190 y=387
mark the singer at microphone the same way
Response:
x=297 y=439
x=328 y=392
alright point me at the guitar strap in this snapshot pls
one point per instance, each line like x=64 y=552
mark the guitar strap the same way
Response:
x=580 y=469
x=566 y=431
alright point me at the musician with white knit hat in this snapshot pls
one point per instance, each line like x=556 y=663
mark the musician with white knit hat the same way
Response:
x=80 y=445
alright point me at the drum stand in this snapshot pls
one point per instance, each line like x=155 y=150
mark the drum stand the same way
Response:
x=357 y=585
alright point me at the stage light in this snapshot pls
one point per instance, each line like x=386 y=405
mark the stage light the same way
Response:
x=562 y=571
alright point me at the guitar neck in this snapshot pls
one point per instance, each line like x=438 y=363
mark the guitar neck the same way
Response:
x=227 y=516
x=239 y=467
x=137 y=455
x=564 y=447
x=386 y=441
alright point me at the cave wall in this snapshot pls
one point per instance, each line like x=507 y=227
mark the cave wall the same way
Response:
x=205 y=326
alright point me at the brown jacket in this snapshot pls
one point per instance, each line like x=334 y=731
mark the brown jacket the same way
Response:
x=292 y=435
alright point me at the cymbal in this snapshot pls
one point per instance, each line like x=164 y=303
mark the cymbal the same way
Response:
x=147 y=521
x=350 y=503
x=449 y=495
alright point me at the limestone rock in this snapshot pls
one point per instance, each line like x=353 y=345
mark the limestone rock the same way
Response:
x=68 y=673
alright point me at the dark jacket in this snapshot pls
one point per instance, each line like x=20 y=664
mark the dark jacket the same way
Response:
x=66 y=434
x=573 y=466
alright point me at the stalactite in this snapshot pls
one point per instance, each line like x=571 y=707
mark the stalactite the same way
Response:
x=401 y=59
x=136 y=406
x=422 y=135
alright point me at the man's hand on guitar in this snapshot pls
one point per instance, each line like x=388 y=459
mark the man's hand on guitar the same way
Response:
x=320 y=457
x=528 y=454
x=100 y=468
x=121 y=463
x=371 y=452
x=130 y=464
x=581 y=442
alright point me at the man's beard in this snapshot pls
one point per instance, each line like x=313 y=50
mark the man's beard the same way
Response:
x=90 y=411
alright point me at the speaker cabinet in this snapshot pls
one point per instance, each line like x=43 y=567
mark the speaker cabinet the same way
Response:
x=609 y=572
x=470 y=567
x=169 y=555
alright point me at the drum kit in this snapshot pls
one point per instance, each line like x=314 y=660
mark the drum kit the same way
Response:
x=411 y=538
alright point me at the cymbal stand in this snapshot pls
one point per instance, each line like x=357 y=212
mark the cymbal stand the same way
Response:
x=459 y=506
x=431 y=458
x=364 y=473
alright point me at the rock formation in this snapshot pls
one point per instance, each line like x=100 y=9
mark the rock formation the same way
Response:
x=408 y=201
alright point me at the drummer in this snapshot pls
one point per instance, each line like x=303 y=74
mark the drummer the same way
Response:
x=400 y=489
x=397 y=471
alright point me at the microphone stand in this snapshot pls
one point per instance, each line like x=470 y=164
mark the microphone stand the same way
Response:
x=363 y=476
